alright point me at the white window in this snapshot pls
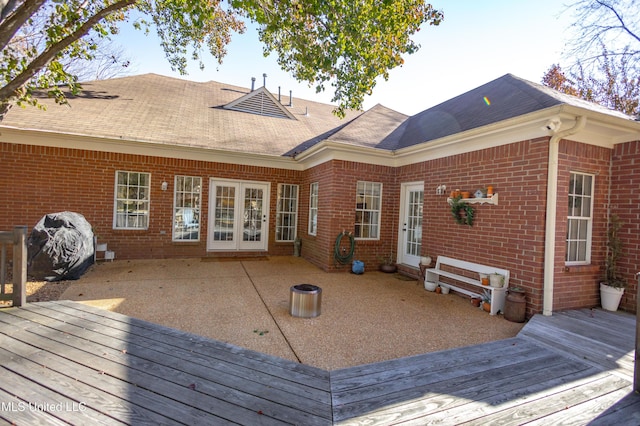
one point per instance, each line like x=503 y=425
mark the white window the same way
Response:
x=368 y=204
x=313 y=208
x=287 y=212
x=186 y=211
x=579 y=221
x=131 y=209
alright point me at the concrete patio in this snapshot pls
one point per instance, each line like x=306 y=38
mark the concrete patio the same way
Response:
x=364 y=318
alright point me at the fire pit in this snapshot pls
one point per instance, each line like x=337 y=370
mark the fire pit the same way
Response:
x=305 y=300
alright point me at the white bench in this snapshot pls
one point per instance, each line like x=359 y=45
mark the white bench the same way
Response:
x=471 y=277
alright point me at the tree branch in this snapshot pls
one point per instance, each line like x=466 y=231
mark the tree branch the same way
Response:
x=10 y=89
x=12 y=21
x=619 y=18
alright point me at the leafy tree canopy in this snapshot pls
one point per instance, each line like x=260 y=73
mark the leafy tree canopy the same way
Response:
x=345 y=43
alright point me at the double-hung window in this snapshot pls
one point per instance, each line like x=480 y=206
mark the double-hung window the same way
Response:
x=186 y=211
x=579 y=220
x=313 y=208
x=368 y=205
x=287 y=212
x=131 y=207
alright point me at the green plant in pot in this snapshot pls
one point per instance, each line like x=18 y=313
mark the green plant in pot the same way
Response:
x=613 y=285
x=486 y=300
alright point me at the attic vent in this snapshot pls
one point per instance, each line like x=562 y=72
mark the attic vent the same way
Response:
x=260 y=102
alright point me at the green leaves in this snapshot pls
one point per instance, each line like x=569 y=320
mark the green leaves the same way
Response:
x=347 y=44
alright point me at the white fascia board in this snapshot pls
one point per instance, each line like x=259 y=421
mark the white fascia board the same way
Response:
x=59 y=140
x=329 y=150
x=604 y=130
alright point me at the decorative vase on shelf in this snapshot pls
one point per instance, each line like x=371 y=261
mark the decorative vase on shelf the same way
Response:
x=496 y=280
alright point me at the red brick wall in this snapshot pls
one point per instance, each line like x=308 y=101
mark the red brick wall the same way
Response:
x=578 y=286
x=83 y=182
x=336 y=212
x=625 y=202
x=509 y=235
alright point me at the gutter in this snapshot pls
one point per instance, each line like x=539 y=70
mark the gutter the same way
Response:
x=552 y=202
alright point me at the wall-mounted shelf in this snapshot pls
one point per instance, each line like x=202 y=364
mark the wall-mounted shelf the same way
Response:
x=493 y=200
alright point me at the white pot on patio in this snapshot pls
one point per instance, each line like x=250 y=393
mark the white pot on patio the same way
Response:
x=429 y=286
x=610 y=297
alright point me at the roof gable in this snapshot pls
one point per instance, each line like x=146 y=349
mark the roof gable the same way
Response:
x=260 y=102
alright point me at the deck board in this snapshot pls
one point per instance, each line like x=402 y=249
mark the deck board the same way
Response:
x=575 y=367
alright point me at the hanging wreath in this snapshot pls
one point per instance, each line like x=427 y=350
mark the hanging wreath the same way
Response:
x=462 y=212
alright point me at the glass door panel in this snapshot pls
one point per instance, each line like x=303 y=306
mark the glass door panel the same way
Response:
x=411 y=221
x=241 y=228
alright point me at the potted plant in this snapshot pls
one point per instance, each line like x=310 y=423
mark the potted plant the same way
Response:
x=388 y=264
x=612 y=287
x=486 y=300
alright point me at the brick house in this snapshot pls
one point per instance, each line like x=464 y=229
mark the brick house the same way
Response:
x=163 y=167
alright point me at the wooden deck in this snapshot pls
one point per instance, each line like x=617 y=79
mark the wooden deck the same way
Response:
x=64 y=362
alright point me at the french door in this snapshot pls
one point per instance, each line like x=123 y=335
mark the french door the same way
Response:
x=238 y=215
x=410 y=236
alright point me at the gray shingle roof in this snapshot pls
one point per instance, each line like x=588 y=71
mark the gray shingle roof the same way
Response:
x=501 y=99
x=164 y=110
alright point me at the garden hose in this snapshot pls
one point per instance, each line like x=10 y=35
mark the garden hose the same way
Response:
x=346 y=257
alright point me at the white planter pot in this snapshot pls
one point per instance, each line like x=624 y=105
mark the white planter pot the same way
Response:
x=496 y=280
x=429 y=286
x=445 y=289
x=101 y=247
x=610 y=297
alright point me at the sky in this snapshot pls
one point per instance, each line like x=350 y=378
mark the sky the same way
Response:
x=477 y=42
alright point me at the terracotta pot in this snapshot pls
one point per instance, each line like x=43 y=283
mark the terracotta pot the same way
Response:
x=388 y=268
x=486 y=306
x=438 y=290
x=465 y=194
x=475 y=301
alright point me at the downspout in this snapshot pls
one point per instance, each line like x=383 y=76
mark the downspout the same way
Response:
x=552 y=200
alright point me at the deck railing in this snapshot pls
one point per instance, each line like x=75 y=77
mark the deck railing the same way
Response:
x=18 y=239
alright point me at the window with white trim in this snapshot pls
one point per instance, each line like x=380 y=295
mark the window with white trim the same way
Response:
x=186 y=210
x=313 y=208
x=368 y=205
x=287 y=212
x=131 y=207
x=579 y=220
